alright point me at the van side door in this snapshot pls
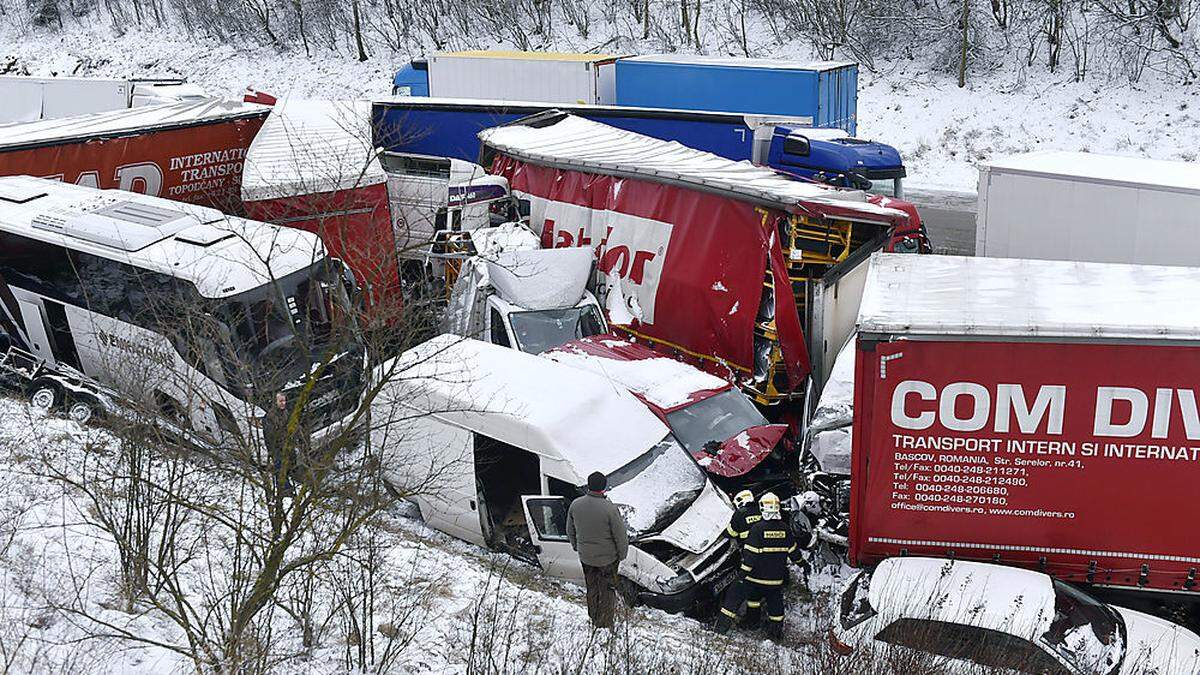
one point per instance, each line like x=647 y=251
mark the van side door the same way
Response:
x=547 y=520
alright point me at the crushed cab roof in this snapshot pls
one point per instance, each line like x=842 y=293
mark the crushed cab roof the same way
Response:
x=310 y=147
x=1002 y=297
x=572 y=142
x=527 y=401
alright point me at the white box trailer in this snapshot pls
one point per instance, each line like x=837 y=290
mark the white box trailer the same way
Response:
x=28 y=99
x=1089 y=208
x=524 y=76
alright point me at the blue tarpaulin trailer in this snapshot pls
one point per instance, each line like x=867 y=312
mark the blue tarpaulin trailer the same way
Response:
x=826 y=91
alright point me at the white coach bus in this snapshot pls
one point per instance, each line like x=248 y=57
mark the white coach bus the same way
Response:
x=206 y=317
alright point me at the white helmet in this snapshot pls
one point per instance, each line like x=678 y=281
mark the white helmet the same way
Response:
x=743 y=498
x=810 y=502
x=768 y=506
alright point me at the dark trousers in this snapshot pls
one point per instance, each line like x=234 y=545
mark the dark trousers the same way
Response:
x=772 y=596
x=601 y=585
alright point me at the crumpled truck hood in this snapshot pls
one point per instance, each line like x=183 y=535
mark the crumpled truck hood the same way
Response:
x=702 y=524
x=743 y=452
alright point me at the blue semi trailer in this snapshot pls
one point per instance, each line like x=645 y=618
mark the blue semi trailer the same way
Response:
x=825 y=91
x=448 y=128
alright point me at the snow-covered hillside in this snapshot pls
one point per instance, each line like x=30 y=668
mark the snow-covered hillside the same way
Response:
x=942 y=131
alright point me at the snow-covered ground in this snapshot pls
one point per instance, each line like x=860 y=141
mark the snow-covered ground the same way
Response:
x=443 y=605
x=942 y=131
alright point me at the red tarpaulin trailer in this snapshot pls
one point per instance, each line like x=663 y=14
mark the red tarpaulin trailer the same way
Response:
x=190 y=152
x=710 y=256
x=313 y=167
x=1037 y=413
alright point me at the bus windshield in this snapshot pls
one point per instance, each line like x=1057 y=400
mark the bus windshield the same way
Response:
x=277 y=333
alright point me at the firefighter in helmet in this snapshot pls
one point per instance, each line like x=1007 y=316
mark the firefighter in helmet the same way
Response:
x=745 y=514
x=766 y=550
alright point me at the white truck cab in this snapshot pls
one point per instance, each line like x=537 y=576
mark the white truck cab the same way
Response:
x=514 y=294
x=493 y=444
x=433 y=198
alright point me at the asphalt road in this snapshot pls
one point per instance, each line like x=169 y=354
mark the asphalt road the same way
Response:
x=949 y=218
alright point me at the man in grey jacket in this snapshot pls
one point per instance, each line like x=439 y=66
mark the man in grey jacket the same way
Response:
x=597 y=532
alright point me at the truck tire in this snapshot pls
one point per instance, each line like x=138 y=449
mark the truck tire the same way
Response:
x=81 y=411
x=45 y=395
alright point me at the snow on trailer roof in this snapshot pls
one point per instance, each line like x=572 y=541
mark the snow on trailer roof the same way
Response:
x=123 y=122
x=528 y=401
x=530 y=56
x=221 y=255
x=1156 y=173
x=739 y=62
x=310 y=147
x=576 y=143
x=1008 y=297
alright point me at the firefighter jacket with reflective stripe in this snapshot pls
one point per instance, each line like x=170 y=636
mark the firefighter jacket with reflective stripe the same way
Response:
x=766 y=550
x=743 y=518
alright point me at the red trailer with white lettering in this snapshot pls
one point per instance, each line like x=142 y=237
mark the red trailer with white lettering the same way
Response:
x=191 y=151
x=1030 y=412
x=712 y=261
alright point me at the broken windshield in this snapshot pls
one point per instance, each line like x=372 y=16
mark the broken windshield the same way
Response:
x=1085 y=632
x=655 y=489
x=277 y=332
x=549 y=328
x=716 y=418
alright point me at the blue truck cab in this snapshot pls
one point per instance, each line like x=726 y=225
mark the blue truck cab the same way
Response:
x=412 y=79
x=834 y=157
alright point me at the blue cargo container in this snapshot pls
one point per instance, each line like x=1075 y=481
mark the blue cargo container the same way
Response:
x=448 y=127
x=826 y=91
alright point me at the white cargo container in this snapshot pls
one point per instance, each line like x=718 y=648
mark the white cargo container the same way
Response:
x=524 y=76
x=28 y=99
x=1091 y=208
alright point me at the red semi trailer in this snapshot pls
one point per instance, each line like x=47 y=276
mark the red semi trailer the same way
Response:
x=189 y=152
x=313 y=167
x=1036 y=413
x=715 y=260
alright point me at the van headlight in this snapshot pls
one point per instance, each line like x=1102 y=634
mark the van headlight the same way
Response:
x=680 y=582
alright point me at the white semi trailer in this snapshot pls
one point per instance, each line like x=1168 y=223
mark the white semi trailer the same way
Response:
x=1089 y=208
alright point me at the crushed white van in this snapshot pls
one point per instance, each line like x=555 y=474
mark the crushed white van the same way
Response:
x=492 y=444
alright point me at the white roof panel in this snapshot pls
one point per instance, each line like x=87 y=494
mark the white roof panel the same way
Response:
x=1104 y=168
x=119 y=122
x=739 y=62
x=1008 y=297
x=159 y=235
x=528 y=401
x=309 y=147
x=576 y=143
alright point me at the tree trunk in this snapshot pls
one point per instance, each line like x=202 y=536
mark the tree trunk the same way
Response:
x=685 y=22
x=645 y=19
x=358 y=41
x=962 y=61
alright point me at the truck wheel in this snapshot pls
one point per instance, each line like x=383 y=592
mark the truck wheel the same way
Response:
x=45 y=396
x=80 y=411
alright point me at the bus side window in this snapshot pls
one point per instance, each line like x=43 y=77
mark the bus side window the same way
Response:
x=499 y=332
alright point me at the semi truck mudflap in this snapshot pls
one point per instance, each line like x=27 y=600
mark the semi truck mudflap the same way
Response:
x=693 y=279
x=1026 y=453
